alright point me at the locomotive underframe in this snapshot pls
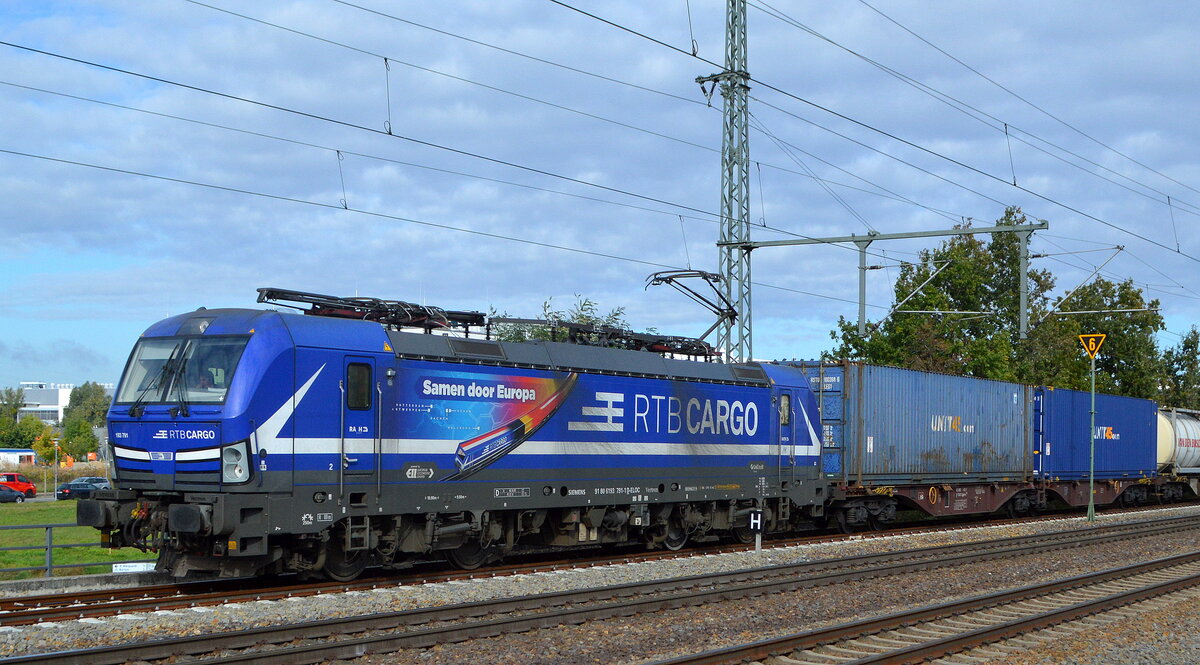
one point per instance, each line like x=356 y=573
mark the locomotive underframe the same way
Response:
x=234 y=534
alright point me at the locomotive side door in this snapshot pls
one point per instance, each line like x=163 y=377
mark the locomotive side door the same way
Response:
x=787 y=434
x=359 y=438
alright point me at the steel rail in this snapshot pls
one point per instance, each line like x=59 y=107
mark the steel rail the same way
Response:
x=35 y=609
x=22 y=610
x=688 y=591
x=788 y=645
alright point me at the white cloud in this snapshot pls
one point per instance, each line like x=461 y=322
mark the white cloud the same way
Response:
x=117 y=251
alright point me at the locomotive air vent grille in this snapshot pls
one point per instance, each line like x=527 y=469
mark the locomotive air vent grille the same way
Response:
x=749 y=373
x=476 y=348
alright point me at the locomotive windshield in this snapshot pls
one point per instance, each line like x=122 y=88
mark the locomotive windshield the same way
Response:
x=195 y=370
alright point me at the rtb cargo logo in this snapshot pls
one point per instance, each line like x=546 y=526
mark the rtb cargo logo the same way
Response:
x=607 y=412
x=949 y=424
x=190 y=434
x=662 y=414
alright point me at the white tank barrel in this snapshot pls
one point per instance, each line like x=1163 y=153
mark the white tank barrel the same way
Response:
x=1179 y=440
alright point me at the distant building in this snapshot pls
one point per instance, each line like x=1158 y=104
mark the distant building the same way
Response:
x=48 y=401
x=15 y=456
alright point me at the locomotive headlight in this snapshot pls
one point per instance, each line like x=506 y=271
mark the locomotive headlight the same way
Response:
x=235 y=466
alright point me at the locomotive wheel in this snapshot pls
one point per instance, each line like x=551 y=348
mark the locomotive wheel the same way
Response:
x=340 y=565
x=676 y=536
x=743 y=535
x=467 y=556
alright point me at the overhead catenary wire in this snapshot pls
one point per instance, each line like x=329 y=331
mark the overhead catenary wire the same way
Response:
x=462 y=79
x=1158 y=288
x=350 y=125
x=515 y=53
x=1081 y=285
x=987 y=119
x=807 y=172
x=610 y=79
x=1027 y=101
x=341 y=152
x=347 y=124
x=1133 y=255
x=758 y=124
x=345 y=151
x=890 y=135
x=388 y=124
x=381 y=215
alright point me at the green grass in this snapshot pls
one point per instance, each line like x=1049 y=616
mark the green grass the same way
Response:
x=53 y=512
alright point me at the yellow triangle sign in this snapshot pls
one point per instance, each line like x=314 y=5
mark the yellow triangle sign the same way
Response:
x=1092 y=344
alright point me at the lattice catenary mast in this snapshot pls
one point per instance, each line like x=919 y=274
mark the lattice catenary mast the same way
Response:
x=733 y=335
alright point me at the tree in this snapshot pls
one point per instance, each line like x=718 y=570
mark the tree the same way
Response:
x=31 y=432
x=585 y=311
x=1181 y=372
x=43 y=445
x=11 y=401
x=78 y=439
x=1130 y=362
x=89 y=403
x=979 y=277
x=974 y=277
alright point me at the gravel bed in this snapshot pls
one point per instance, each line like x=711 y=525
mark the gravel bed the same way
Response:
x=1165 y=636
x=631 y=639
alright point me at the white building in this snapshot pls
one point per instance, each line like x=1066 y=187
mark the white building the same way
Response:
x=16 y=456
x=47 y=401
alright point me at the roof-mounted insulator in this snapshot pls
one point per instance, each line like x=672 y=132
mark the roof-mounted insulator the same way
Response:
x=617 y=338
x=392 y=313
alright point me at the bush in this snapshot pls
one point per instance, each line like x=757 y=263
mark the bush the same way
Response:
x=43 y=476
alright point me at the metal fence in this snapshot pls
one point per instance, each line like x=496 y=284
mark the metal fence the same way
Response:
x=49 y=566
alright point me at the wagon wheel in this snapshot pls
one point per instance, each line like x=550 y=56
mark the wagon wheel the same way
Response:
x=843 y=525
x=340 y=565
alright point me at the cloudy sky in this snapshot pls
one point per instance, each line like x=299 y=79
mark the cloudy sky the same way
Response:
x=156 y=157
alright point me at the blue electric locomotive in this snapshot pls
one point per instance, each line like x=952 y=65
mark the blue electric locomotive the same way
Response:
x=249 y=441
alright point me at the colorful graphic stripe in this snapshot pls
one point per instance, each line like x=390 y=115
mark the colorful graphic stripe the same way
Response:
x=480 y=452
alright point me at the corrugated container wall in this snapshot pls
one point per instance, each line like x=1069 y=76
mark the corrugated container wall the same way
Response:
x=1125 y=435
x=887 y=425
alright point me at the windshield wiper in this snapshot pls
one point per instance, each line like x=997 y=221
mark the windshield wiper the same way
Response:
x=136 y=409
x=180 y=379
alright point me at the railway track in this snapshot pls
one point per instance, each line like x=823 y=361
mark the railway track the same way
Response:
x=329 y=639
x=33 y=609
x=960 y=632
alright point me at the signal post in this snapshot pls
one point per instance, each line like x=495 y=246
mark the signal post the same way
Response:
x=1091 y=344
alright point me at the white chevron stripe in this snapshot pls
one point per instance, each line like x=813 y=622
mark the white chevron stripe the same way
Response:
x=267 y=434
x=329 y=446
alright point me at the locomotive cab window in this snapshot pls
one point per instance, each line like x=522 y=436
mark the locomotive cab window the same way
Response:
x=785 y=409
x=358 y=386
x=194 y=370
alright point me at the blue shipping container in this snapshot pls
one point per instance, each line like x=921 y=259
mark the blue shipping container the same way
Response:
x=1125 y=435
x=887 y=425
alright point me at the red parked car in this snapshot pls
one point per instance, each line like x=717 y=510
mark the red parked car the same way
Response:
x=19 y=482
